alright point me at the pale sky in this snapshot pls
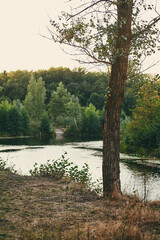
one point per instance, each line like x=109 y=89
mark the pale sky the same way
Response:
x=21 y=47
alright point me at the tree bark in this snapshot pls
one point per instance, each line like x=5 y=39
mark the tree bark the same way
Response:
x=112 y=115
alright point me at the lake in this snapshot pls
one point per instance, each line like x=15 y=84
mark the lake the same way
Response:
x=135 y=179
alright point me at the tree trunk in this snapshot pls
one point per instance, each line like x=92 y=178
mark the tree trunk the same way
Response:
x=112 y=115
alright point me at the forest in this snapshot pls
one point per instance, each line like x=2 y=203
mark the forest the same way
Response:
x=35 y=103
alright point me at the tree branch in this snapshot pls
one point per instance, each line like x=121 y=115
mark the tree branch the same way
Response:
x=154 y=21
x=140 y=72
x=90 y=6
x=88 y=53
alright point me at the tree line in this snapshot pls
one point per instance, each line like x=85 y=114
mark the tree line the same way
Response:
x=83 y=84
x=46 y=99
x=35 y=103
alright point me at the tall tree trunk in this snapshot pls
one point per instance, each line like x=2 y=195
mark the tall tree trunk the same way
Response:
x=112 y=115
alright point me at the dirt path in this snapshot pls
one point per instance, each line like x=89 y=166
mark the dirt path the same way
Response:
x=59 y=133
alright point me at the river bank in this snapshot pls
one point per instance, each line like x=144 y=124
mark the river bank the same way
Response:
x=36 y=208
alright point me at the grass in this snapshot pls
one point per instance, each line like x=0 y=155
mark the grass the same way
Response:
x=43 y=208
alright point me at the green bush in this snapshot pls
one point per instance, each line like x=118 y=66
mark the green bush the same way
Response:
x=61 y=168
x=2 y=164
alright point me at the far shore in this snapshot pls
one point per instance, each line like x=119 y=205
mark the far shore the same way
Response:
x=15 y=137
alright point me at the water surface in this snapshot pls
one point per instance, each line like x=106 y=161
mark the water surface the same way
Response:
x=23 y=153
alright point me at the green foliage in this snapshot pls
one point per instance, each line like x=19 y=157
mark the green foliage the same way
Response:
x=134 y=82
x=34 y=128
x=25 y=121
x=78 y=82
x=45 y=124
x=91 y=121
x=74 y=114
x=67 y=109
x=94 y=30
x=16 y=84
x=34 y=103
x=62 y=168
x=55 y=168
x=88 y=87
x=13 y=120
x=35 y=99
x=141 y=134
x=13 y=85
x=2 y=164
x=58 y=105
x=97 y=100
x=81 y=176
x=4 y=115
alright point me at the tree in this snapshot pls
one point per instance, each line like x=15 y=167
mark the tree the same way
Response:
x=142 y=133
x=5 y=107
x=25 y=121
x=16 y=85
x=34 y=101
x=91 y=121
x=73 y=115
x=97 y=100
x=107 y=32
x=3 y=81
x=45 y=128
x=58 y=105
x=14 y=121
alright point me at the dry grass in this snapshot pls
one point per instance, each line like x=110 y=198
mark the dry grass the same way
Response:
x=34 y=208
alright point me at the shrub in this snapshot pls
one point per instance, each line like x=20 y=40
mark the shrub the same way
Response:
x=2 y=164
x=63 y=168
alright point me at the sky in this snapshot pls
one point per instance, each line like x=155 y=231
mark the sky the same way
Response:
x=22 y=47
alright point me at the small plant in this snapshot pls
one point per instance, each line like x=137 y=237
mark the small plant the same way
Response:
x=2 y=164
x=63 y=168
x=97 y=186
x=82 y=176
x=55 y=168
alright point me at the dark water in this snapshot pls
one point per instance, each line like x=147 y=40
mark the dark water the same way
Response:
x=141 y=180
x=32 y=141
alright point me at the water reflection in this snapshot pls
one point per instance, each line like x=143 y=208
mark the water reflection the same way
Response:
x=144 y=181
x=30 y=141
x=141 y=169
x=33 y=141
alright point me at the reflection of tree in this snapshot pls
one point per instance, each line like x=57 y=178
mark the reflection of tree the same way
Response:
x=140 y=167
x=141 y=170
